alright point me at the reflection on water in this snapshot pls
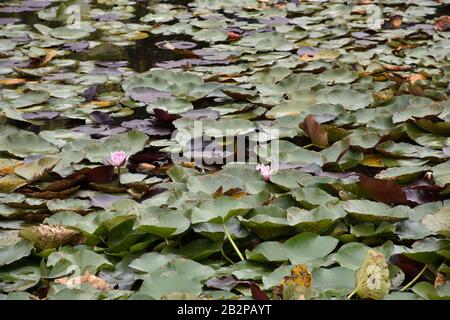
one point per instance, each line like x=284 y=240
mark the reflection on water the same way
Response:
x=145 y=53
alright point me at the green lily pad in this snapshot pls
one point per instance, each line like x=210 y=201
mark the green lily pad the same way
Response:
x=371 y=211
x=130 y=142
x=67 y=33
x=308 y=246
x=351 y=255
x=19 y=278
x=37 y=170
x=163 y=223
x=268 y=251
x=23 y=145
x=219 y=210
x=30 y=98
x=310 y=198
x=429 y=292
x=12 y=247
x=337 y=281
x=79 y=260
x=161 y=283
x=438 y=222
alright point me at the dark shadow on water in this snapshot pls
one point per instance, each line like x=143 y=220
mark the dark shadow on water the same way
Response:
x=179 y=2
x=442 y=10
x=145 y=53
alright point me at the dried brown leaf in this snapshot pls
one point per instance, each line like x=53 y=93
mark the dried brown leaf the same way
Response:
x=442 y=23
x=317 y=134
x=46 y=237
x=12 y=81
x=385 y=191
x=300 y=276
x=416 y=77
x=440 y=280
x=396 y=21
x=50 y=194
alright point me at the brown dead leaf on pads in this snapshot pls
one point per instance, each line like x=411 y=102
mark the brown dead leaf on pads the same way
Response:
x=296 y=286
x=49 y=194
x=300 y=276
x=94 y=281
x=12 y=81
x=43 y=61
x=442 y=23
x=385 y=191
x=103 y=103
x=416 y=77
x=8 y=166
x=392 y=67
x=47 y=237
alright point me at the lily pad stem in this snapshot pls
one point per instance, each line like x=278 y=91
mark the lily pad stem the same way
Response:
x=118 y=176
x=226 y=257
x=232 y=242
x=352 y=294
x=415 y=279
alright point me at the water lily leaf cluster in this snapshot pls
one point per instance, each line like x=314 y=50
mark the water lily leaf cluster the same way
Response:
x=341 y=190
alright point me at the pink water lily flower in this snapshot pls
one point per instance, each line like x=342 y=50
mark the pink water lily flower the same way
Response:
x=265 y=171
x=117 y=158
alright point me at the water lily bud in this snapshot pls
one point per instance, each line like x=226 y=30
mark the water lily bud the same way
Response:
x=372 y=278
x=265 y=170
